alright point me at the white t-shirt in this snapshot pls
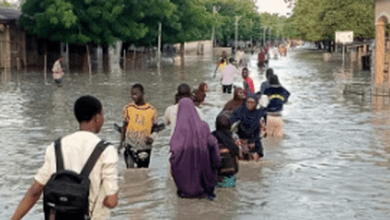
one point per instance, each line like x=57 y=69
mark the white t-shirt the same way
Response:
x=76 y=149
x=229 y=73
x=170 y=116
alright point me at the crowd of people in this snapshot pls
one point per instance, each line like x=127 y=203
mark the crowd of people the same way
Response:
x=200 y=159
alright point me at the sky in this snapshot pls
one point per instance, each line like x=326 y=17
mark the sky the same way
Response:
x=273 y=6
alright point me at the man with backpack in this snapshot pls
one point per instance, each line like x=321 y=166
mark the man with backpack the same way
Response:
x=73 y=164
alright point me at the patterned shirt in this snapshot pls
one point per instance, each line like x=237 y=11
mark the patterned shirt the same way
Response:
x=140 y=121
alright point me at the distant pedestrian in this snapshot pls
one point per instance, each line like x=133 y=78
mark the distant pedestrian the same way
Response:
x=138 y=119
x=195 y=155
x=220 y=66
x=240 y=57
x=228 y=75
x=58 y=71
x=261 y=59
x=249 y=87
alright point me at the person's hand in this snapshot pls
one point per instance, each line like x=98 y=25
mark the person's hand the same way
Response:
x=251 y=145
x=255 y=157
x=149 y=140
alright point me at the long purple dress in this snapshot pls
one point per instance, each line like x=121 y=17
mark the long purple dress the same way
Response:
x=194 y=154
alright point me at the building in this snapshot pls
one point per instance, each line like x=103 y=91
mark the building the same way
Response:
x=382 y=45
x=12 y=40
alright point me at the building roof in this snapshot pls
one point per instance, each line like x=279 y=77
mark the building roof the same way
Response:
x=9 y=14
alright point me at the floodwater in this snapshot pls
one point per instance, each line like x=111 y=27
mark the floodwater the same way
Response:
x=333 y=162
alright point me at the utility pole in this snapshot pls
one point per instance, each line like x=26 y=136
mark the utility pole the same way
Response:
x=251 y=34
x=236 y=33
x=159 y=45
x=264 y=30
x=215 y=10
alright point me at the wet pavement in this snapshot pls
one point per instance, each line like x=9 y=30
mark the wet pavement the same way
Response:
x=333 y=162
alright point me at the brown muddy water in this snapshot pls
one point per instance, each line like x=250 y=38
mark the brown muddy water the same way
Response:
x=333 y=162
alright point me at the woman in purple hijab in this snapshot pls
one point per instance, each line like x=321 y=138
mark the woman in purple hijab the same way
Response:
x=194 y=154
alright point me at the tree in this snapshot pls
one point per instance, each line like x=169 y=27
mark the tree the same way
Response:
x=148 y=14
x=319 y=19
x=248 y=25
x=82 y=22
x=194 y=21
x=5 y=3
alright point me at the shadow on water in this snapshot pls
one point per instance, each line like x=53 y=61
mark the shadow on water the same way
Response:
x=333 y=162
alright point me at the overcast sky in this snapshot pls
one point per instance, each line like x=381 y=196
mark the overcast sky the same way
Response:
x=273 y=6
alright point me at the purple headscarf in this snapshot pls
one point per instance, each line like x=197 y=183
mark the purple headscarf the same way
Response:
x=195 y=153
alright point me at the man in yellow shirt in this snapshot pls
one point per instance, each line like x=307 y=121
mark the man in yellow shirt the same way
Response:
x=137 y=137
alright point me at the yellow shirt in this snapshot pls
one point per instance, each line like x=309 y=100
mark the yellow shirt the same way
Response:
x=140 y=120
x=221 y=67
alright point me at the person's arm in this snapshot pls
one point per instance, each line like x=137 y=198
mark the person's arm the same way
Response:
x=216 y=68
x=124 y=127
x=166 y=117
x=110 y=177
x=29 y=200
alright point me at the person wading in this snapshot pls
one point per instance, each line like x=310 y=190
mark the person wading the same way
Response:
x=277 y=96
x=251 y=122
x=138 y=119
x=195 y=155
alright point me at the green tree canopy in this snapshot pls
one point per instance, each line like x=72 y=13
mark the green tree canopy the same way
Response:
x=320 y=19
x=193 y=22
x=85 y=21
x=249 y=24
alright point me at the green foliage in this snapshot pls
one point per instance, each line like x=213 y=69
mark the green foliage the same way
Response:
x=249 y=23
x=320 y=19
x=190 y=21
x=5 y=3
x=136 y=21
x=92 y=21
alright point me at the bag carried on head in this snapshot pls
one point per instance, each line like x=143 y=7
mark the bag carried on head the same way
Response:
x=65 y=196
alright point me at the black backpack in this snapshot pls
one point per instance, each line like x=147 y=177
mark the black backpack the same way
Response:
x=65 y=196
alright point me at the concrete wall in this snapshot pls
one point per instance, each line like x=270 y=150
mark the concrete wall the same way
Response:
x=196 y=47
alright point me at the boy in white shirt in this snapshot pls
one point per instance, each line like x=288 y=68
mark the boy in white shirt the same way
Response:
x=76 y=149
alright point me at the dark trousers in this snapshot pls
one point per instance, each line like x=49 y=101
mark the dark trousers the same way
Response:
x=132 y=156
x=227 y=88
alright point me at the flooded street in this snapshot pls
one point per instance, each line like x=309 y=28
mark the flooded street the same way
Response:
x=333 y=163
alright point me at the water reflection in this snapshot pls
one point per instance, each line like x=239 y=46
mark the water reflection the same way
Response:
x=331 y=164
